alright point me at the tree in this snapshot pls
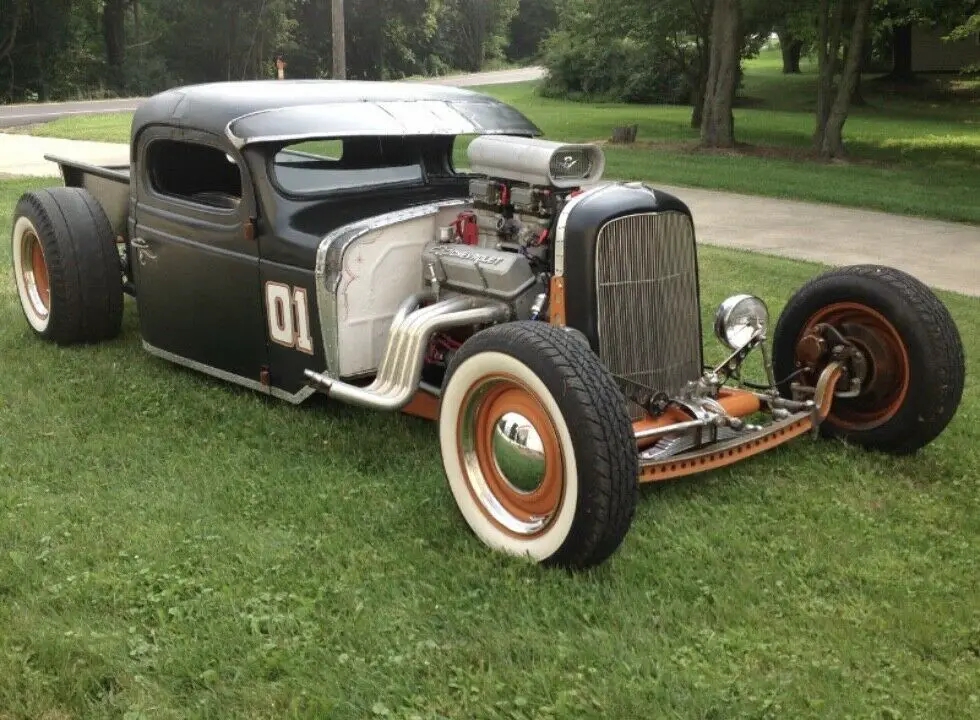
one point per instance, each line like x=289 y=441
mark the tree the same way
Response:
x=10 y=22
x=631 y=51
x=834 y=100
x=970 y=26
x=114 y=34
x=480 y=30
x=58 y=48
x=791 y=48
x=718 y=121
x=532 y=23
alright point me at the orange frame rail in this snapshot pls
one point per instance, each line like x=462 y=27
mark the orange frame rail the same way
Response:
x=737 y=403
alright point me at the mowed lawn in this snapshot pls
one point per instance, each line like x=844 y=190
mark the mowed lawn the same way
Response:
x=916 y=155
x=175 y=547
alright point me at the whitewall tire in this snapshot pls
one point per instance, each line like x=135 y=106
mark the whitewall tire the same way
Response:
x=537 y=446
x=31 y=274
x=66 y=266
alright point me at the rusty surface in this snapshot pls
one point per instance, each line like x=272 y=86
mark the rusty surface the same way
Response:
x=424 y=405
x=557 y=301
x=736 y=450
x=810 y=349
x=886 y=376
x=726 y=454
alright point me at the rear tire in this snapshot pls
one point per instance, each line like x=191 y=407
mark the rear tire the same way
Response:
x=913 y=349
x=66 y=266
x=577 y=511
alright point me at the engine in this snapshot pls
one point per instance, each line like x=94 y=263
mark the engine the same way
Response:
x=622 y=247
x=501 y=247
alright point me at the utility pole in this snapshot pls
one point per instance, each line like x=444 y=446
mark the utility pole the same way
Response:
x=339 y=43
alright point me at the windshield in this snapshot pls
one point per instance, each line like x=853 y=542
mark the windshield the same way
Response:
x=326 y=166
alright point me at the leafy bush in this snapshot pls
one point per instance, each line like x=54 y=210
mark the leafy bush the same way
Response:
x=616 y=69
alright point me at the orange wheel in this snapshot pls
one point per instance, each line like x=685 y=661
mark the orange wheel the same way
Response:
x=508 y=439
x=909 y=358
x=538 y=446
x=887 y=375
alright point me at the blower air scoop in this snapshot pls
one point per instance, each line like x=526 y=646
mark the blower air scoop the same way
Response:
x=536 y=162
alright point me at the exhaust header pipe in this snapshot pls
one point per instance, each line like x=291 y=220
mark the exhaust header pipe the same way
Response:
x=400 y=374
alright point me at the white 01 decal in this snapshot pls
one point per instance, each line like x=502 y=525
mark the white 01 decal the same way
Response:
x=288 y=314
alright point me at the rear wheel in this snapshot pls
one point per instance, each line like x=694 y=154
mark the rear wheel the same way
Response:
x=912 y=366
x=66 y=266
x=537 y=445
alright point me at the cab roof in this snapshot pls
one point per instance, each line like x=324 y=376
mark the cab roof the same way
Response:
x=282 y=110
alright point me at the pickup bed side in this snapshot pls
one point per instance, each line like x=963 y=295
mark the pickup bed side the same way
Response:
x=108 y=185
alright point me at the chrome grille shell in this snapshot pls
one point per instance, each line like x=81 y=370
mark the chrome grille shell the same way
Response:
x=649 y=319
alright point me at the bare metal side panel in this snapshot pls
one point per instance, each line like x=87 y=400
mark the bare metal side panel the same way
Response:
x=113 y=196
x=646 y=277
x=364 y=271
x=108 y=185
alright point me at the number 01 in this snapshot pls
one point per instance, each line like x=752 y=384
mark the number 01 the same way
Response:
x=289 y=316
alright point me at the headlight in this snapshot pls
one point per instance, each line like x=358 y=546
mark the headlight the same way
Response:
x=739 y=318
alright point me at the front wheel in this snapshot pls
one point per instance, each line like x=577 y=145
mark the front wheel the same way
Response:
x=912 y=366
x=537 y=445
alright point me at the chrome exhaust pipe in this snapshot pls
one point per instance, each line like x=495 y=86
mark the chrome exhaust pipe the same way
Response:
x=400 y=374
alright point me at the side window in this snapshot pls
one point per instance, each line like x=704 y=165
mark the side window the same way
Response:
x=194 y=172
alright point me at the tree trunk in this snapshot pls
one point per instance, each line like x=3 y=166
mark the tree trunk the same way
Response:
x=857 y=97
x=867 y=56
x=42 y=80
x=792 y=50
x=699 y=75
x=232 y=42
x=902 y=53
x=697 y=112
x=8 y=43
x=831 y=140
x=114 y=34
x=339 y=40
x=718 y=122
x=699 y=86
x=828 y=58
x=138 y=32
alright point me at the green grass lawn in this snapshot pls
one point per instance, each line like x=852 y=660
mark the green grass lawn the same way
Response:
x=175 y=547
x=915 y=156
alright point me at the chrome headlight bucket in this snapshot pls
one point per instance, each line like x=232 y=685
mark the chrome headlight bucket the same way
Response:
x=739 y=319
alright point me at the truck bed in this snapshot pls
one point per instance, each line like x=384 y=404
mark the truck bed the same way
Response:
x=109 y=185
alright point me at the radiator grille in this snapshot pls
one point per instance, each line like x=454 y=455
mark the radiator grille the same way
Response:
x=648 y=309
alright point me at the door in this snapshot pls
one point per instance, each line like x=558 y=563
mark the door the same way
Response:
x=194 y=256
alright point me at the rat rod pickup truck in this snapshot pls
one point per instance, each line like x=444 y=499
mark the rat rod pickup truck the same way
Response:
x=317 y=237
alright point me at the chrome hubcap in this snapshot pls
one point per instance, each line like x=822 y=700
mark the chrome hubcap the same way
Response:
x=511 y=455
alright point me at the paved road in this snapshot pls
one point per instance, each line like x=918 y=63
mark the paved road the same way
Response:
x=14 y=115
x=942 y=254
x=23 y=155
x=493 y=77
